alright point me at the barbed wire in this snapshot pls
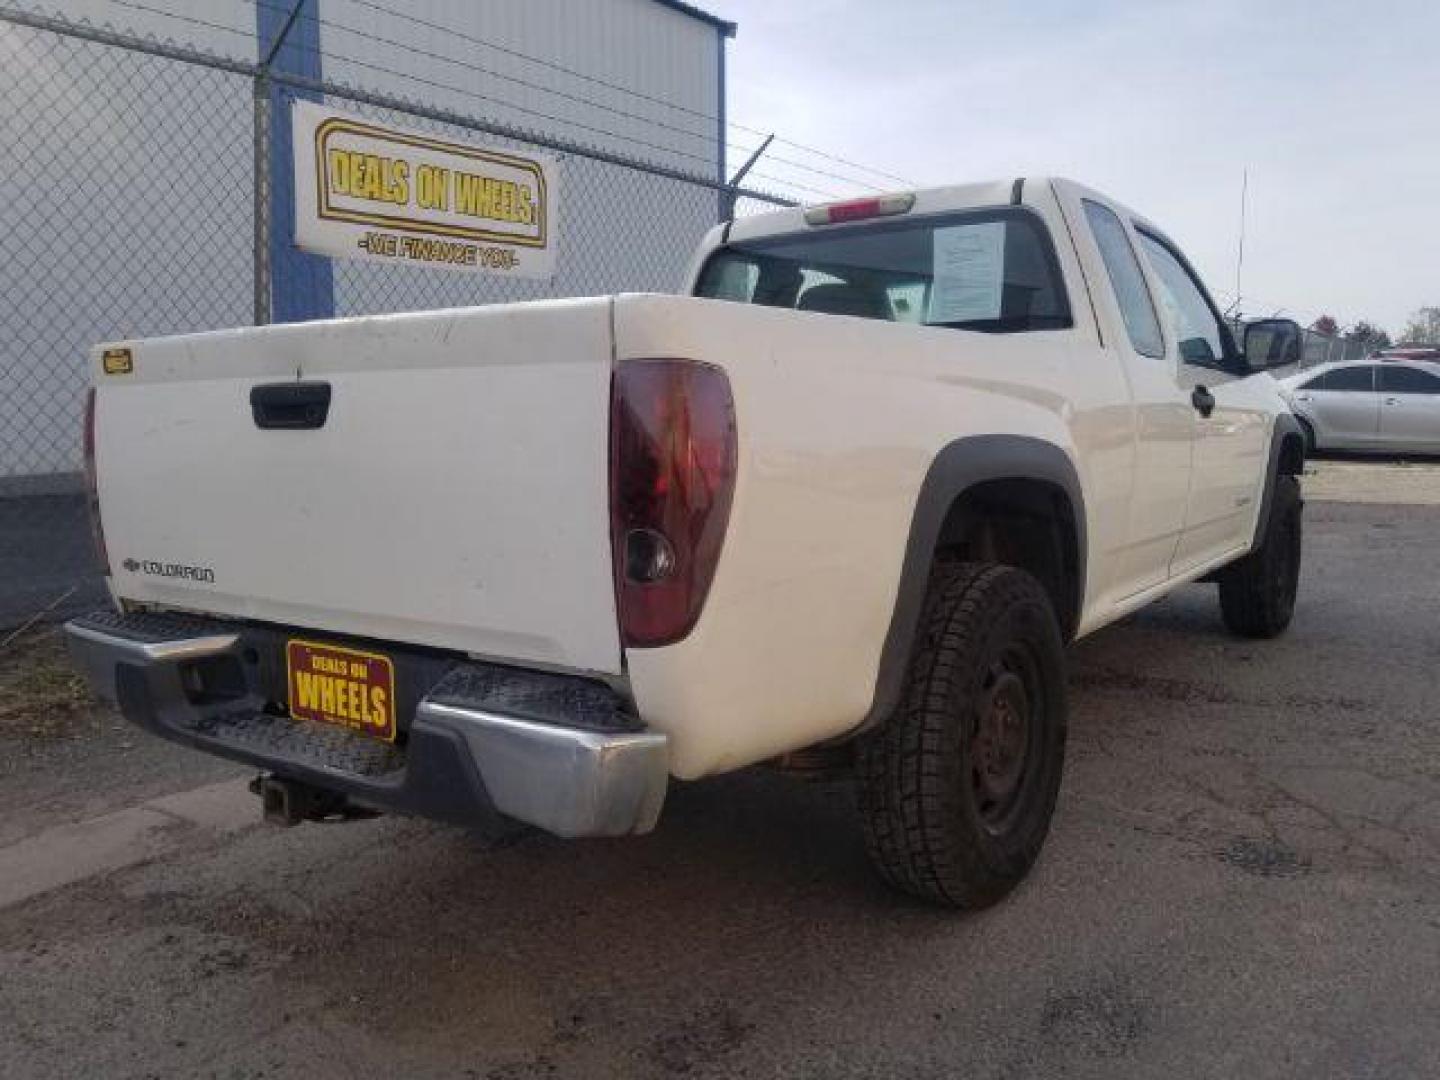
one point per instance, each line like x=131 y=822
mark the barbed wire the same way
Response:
x=589 y=103
x=478 y=96
x=340 y=58
x=640 y=94
x=1234 y=303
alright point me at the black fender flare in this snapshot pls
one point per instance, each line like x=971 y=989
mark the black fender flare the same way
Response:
x=958 y=467
x=1285 y=426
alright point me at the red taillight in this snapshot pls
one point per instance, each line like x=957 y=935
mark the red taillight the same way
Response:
x=672 y=474
x=92 y=484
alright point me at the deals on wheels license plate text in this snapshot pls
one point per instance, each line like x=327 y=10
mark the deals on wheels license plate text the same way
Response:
x=344 y=687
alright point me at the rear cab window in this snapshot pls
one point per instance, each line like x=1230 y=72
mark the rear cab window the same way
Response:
x=991 y=270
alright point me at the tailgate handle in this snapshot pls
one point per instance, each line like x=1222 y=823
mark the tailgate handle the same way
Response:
x=295 y=406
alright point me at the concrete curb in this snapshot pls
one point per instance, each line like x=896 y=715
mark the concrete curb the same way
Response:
x=69 y=853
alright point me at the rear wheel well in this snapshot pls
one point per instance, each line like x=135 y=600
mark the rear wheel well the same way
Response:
x=1029 y=524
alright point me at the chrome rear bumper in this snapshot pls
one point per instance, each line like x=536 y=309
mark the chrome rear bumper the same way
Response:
x=555 y=751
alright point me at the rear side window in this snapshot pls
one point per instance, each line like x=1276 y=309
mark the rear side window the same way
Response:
x=1121 y=263
x=988 y=270
x=1397 y=379
x=1350 y=378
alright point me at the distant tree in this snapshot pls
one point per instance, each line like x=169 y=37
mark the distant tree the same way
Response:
x=1326 y=325
x=1371 y=337
x=1423 y=327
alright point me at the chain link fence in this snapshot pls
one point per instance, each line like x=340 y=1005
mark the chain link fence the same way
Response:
x=1331 y=349
x=77 y=272
x=1317 y=348
x=134 y=203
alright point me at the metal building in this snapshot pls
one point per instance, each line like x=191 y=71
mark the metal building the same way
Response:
x=127 y=193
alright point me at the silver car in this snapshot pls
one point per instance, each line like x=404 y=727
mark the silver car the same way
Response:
x=1368 y=405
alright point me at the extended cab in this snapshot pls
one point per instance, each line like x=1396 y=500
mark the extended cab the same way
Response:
x=847 y=501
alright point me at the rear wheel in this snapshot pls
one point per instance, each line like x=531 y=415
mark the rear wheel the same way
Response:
x=957 y=789
x=1257 y=594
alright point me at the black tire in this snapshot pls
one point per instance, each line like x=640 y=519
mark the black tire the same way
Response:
x=958 y=787
x=1257 y=594
x=1307 y=430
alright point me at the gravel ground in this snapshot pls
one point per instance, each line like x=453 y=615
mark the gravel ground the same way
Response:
x=64 y=760
x=1243 y=879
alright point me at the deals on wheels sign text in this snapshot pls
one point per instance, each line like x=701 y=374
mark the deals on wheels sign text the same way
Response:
x=370 y=192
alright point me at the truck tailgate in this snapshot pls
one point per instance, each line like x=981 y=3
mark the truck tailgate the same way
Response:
x=455 y=496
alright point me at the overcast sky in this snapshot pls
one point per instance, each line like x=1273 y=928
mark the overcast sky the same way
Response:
x=1333 y=106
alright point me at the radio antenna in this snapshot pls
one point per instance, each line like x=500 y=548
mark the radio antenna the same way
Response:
x=1240 y=255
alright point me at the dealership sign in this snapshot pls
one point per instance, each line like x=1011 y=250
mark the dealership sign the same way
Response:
x=370 y=192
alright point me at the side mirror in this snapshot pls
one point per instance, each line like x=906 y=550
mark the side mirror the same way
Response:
x=1273 y=343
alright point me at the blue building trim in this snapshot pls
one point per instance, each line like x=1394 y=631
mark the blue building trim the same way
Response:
x=726 y=28
x=302 y=286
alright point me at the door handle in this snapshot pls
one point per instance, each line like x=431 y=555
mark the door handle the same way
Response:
x=293 y=406
x=1203 y=400
x=1392 y=401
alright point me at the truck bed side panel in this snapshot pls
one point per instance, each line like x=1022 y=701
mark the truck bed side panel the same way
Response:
x=839 y=419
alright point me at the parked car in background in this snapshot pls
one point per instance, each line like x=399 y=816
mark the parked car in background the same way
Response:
x=1368 y=405
x=1409 y=352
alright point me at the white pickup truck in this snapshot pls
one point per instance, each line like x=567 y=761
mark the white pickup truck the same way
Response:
x=846 y=502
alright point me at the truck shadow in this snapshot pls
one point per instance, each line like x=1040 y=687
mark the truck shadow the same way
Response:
x=753 y=899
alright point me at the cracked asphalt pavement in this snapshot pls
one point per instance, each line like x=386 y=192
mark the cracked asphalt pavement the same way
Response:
x=1243 y=879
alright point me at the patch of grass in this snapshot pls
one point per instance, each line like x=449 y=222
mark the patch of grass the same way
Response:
x=42 y=694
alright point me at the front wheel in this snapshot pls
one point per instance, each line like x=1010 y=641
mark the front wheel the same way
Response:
x=957 y=788
x=1257 y=594
x=1307 y=432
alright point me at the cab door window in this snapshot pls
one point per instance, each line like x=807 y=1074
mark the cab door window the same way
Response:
x=1200 y=336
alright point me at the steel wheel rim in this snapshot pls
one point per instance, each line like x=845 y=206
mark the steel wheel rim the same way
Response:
x=1003 y=741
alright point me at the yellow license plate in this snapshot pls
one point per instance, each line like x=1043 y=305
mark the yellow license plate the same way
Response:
x=345 y=687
